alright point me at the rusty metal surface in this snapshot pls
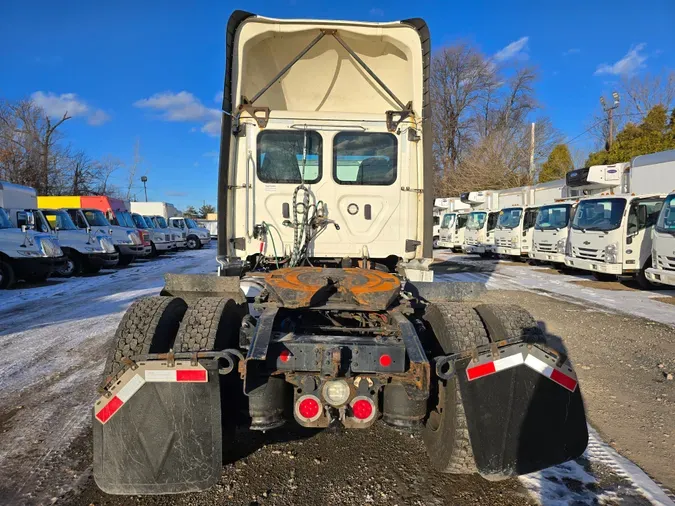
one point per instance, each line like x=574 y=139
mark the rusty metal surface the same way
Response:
x=315 y=286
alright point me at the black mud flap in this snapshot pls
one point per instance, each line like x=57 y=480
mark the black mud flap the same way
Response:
x=520 y=420
x=159 y=432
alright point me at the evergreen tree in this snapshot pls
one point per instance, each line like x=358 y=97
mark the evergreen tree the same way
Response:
x=558 y=164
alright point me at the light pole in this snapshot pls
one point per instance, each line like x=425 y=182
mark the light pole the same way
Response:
x=610 y=117
x=145 y=188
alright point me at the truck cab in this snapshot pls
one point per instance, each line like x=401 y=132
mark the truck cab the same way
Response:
x=515 y=229
x=550 y=232
x=663 y=245
x=452 y=230
x=25 y=254
x=479 y=237
x=127 y=241
x=163 y=239
x=611 y=235
x=86 y=252
x=195 y=235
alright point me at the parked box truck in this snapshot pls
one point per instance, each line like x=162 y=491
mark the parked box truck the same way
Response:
x=24 y=254
x=551 y=229
x=453 y=224
x=89 y=213
x=515 y=226
x=193 y=236
x=481 y=222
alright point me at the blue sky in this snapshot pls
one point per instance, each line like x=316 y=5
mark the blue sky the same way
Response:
x=152 y=70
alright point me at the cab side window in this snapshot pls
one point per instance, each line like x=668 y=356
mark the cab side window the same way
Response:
x=492 y=221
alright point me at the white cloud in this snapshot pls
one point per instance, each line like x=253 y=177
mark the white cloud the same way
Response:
x=516 y=49
x=629 y=64
x=55 y=106
x=183 y=106
x=375 y=11
x=571 y=51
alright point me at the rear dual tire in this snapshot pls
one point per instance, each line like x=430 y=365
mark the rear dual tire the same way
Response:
x=150 y=325
x=459 y=327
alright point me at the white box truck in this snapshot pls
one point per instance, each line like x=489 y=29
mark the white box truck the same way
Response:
x=24 y=253
x=611 y=234
x=193 y=236
x=519 y=209
x=86 y=252
x=481 y=222
x=453 y=224
x=551 y=229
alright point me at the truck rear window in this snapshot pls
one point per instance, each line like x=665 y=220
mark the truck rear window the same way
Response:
x=364 y=158
x=280 y=157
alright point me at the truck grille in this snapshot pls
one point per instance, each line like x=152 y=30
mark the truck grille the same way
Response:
x=503 y=241
x=470 y=242
x=589 y=253
x=666 y=263
x=545 y=247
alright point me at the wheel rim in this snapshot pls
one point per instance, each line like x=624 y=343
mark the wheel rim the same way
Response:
x=2 y=276
x=192 y=243
x=69 y=267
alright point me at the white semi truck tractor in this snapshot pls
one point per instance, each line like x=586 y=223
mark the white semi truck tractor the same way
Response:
x=24 y=253
x=518 y=215
x=332 y=252
x=481 y=222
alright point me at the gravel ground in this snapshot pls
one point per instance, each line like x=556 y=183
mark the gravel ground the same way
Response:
x=294 y=466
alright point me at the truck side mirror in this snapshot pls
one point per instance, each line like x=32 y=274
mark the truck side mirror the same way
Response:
x=30 y=219
x=23 y=228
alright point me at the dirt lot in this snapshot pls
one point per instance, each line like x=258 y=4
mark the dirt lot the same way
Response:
x=623 y=364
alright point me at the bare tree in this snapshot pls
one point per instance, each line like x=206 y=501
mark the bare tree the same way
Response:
x=105 y=168
x=460 y=75
x=133 y=167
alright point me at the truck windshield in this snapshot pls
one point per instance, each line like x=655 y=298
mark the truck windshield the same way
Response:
x=95 y=218
x=191 y=223
x=161 y=222
x=553 y=217
x=4 y=219
x=448 y=220
x=139 y=222
x=510 y=217
x=150 y=221
x=476 y=221
x=58 y=218
x=125 y=218
x=602 y=214
x=666 y=221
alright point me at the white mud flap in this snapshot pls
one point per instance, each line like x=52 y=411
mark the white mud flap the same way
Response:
x=158 y=430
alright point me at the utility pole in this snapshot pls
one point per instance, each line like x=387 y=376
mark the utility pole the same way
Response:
x=145 y=188
x=610 y=118
x=532 y=154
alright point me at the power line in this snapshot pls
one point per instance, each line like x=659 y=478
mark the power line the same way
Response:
x=603 y=121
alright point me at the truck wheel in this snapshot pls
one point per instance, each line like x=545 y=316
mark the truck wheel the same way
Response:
x=7 y=276
x=436 y=242
x=154 y=253
x=71 y=267
x=150 y=325
x=457 y=327
x=125 y=260
x=193 y=242
x=601 y=276
x=642 y=280
x=514 y=321
x=212 y=324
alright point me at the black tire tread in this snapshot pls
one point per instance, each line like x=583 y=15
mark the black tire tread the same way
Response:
x=9 y=276
x=200 y=326
x=517 y=321
x=148 y=326
x=463 y=329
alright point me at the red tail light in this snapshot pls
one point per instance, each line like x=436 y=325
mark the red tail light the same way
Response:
x=363 y=409
x=308 y=408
